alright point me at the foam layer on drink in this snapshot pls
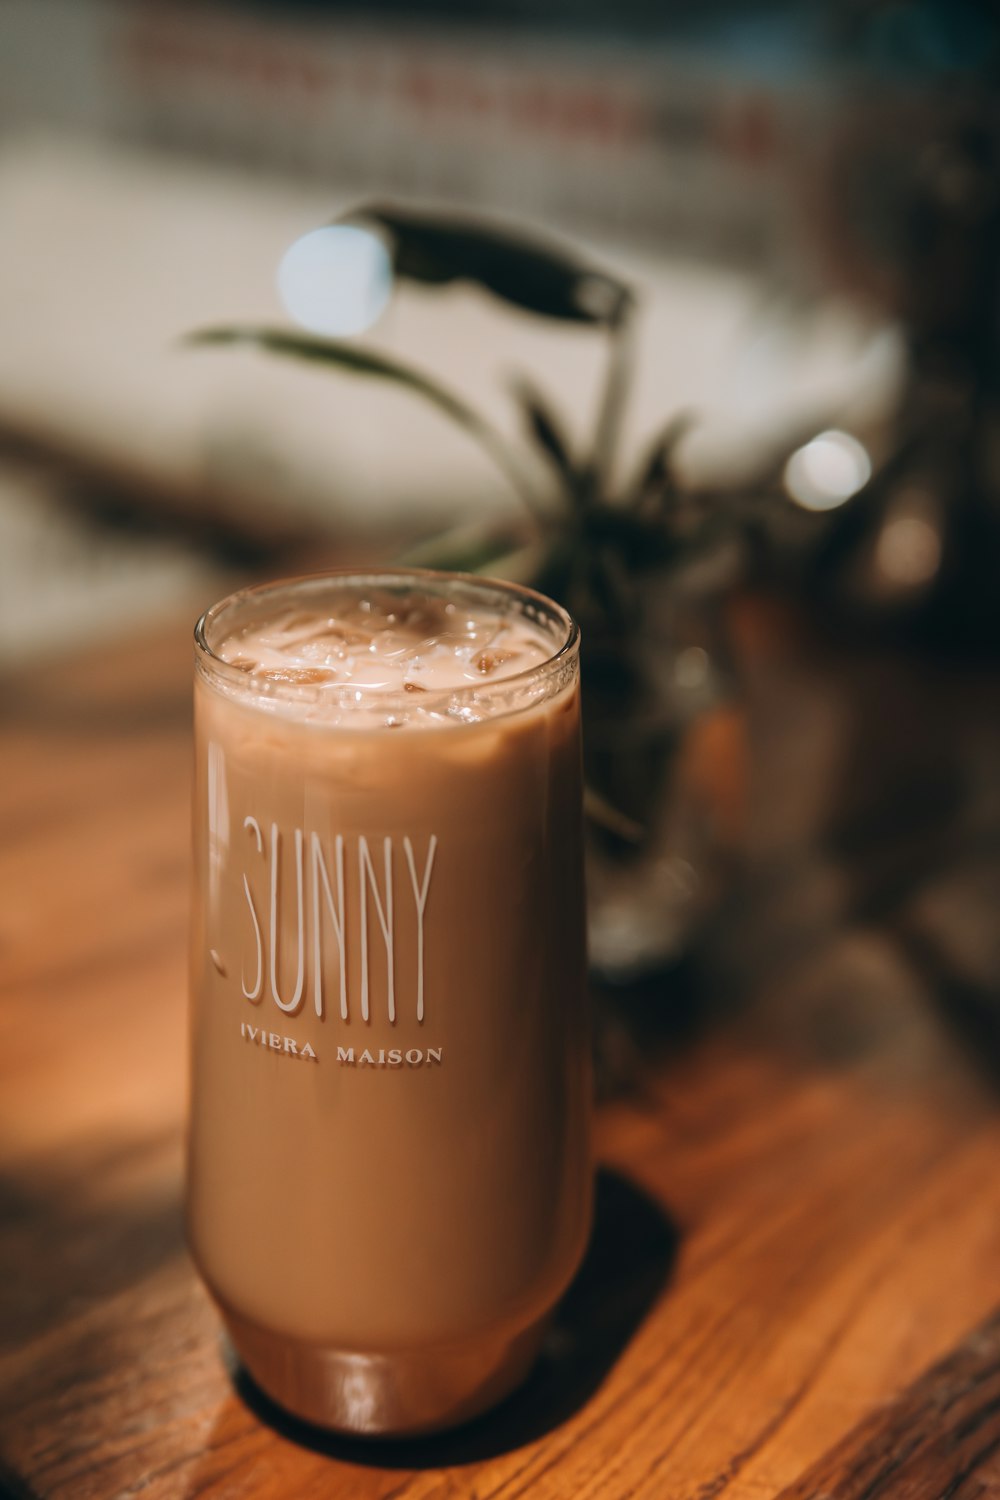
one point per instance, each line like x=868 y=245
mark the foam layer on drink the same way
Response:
x=373 y=657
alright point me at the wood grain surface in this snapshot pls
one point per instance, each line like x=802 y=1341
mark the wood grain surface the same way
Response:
x=796 y=1260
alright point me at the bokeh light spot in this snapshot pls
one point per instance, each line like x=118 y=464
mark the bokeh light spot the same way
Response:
x=336 y=281
x=827 y=471
x=908 y=551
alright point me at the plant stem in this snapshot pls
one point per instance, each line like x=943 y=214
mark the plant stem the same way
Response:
x=621 y=360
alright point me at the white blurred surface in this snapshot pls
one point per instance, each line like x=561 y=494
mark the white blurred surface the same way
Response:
x=110 y=255
x=67 y=581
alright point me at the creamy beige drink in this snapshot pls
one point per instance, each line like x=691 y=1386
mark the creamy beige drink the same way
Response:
x=389 y=1180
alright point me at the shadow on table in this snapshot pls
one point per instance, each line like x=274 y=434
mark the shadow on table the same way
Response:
x=629 y=1259
x=84 y=1244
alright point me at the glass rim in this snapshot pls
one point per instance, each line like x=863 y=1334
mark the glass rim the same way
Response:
x=214 y=666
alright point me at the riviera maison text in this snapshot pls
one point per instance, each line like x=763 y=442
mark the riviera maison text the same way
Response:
x=323 y=878
x=366 y=1057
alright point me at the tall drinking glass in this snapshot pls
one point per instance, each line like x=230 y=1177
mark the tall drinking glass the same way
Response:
x=388 y=1174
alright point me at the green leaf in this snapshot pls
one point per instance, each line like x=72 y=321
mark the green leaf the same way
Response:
x=468 y=547
x=344 y=356
x=531 y=273
x=358 y=360
x=546 y=429
x=655 y=478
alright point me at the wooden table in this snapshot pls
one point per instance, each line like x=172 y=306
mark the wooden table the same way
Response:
x=796 y=1262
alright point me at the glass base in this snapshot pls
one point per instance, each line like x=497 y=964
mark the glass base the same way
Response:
x=385 y=1395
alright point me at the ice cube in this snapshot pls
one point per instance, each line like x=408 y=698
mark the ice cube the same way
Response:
x=300 y=675
x=488 y=661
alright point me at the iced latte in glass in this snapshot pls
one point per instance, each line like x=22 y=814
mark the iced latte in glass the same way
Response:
x=389 y=1176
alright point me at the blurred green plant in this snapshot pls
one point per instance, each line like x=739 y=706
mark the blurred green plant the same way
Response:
x=589 y=537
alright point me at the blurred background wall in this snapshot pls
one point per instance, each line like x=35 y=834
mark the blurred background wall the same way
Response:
x=753 y=169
